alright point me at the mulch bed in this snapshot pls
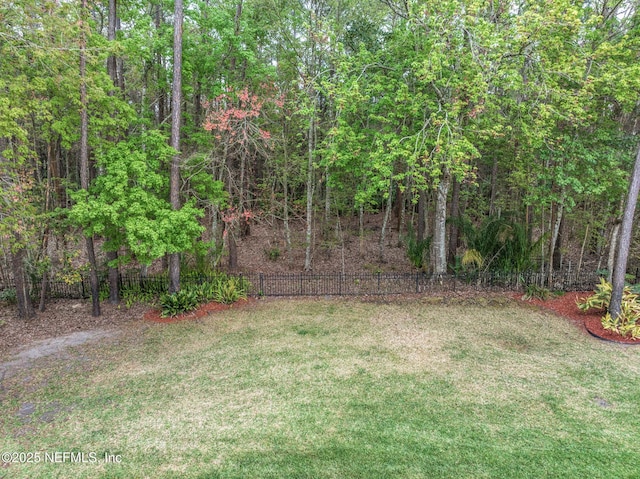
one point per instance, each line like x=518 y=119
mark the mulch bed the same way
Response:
x=565 y=306
x=205 y=309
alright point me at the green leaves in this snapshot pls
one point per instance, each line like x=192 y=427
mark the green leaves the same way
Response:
x=128 y=202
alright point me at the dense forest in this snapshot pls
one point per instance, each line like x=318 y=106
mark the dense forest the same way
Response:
x=487 y=134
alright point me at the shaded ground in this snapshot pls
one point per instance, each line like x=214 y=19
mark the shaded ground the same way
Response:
x=62 y=318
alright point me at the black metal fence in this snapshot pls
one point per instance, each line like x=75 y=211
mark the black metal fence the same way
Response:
x=338 y=284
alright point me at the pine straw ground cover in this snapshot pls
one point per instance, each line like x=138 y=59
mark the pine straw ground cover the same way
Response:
x=334 y=389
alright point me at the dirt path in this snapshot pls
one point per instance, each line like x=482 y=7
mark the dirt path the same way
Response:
x=53 y=346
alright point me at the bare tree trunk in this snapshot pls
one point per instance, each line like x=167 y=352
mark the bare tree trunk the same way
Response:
x=385 y=222
x=558 y=254
x=176 y=101
x=494 y=180
x=554 y=238
x=440 y=226
x=613 y=244
x=161 y=110
x=233 y=249
x=44 y=283
x=327 y=197
x=285 y=188
x=84 y=160
x=310 y=188
x=25 y=306
x=422 y=206
x=115 y=75
x=626 y=234
x=455 y=214
x=361 y=228
x=584 y=243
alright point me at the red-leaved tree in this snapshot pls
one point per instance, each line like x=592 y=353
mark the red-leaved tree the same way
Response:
x=236 y=119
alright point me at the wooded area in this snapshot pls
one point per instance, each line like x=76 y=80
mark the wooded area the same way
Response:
x=489 y=135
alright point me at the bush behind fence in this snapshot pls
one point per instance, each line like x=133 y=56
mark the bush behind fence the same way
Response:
x=337 y=284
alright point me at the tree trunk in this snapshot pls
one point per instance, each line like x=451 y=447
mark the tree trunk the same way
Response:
x=115 y=75
x=310 y=188
x=494 y=192
x=613 y=249
x=584 y=243
x=554 y=238
x=385 y=222
x=233 y=248
x=558 y=254
x=440 y=226
x=361 y=229
x=161 y=110
x=285 y=188
x=422 y=206
x=620 y=268
x=84 y=160
x=455 y=215
x=25 y=306
x=176 y=101
x=327 y=197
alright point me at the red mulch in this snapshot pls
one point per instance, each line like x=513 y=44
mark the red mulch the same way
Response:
x=565 y=306
x=203 y=310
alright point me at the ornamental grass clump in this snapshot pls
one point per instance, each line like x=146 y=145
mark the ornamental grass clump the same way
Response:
x=626 y=324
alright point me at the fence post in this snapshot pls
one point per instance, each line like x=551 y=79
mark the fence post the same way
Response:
x=340 y=285
x=417 y=282
x=261 y=290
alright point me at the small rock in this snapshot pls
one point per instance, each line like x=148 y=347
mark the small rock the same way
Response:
x=602 y=403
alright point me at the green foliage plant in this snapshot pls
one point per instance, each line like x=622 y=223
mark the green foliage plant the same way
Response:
x=472 y=258
x=231 y=291
x=8 y=296
x=273 y=253
x=183 y=301
x=626 y=324
x=417 y=250
x=145 y=292
x=501 y=244
x=533 y=291
x=128 y=202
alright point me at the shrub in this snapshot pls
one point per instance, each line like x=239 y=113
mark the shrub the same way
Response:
x=273 y=253
x=231 y=291
x=174 y=304
x=132 y=294
x=626 y=324
x=417 y=250
x=534 y=291
x=8 y=295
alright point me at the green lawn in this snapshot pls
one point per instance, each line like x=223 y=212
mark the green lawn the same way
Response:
x=339 y=389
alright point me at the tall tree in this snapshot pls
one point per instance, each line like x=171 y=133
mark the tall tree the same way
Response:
x=176 y=111
x=84 y=156
x=620 y=270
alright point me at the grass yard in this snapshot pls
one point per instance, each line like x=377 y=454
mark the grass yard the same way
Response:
x=334 y=389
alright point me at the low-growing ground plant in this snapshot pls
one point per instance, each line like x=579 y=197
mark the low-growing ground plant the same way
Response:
x=231 y=291
x=273 y=253
x=627 y=323
x=181 y=302
x=219 y=288
x=533 y=291
x=8 y=296
x=417 y=250
x=137 y=294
